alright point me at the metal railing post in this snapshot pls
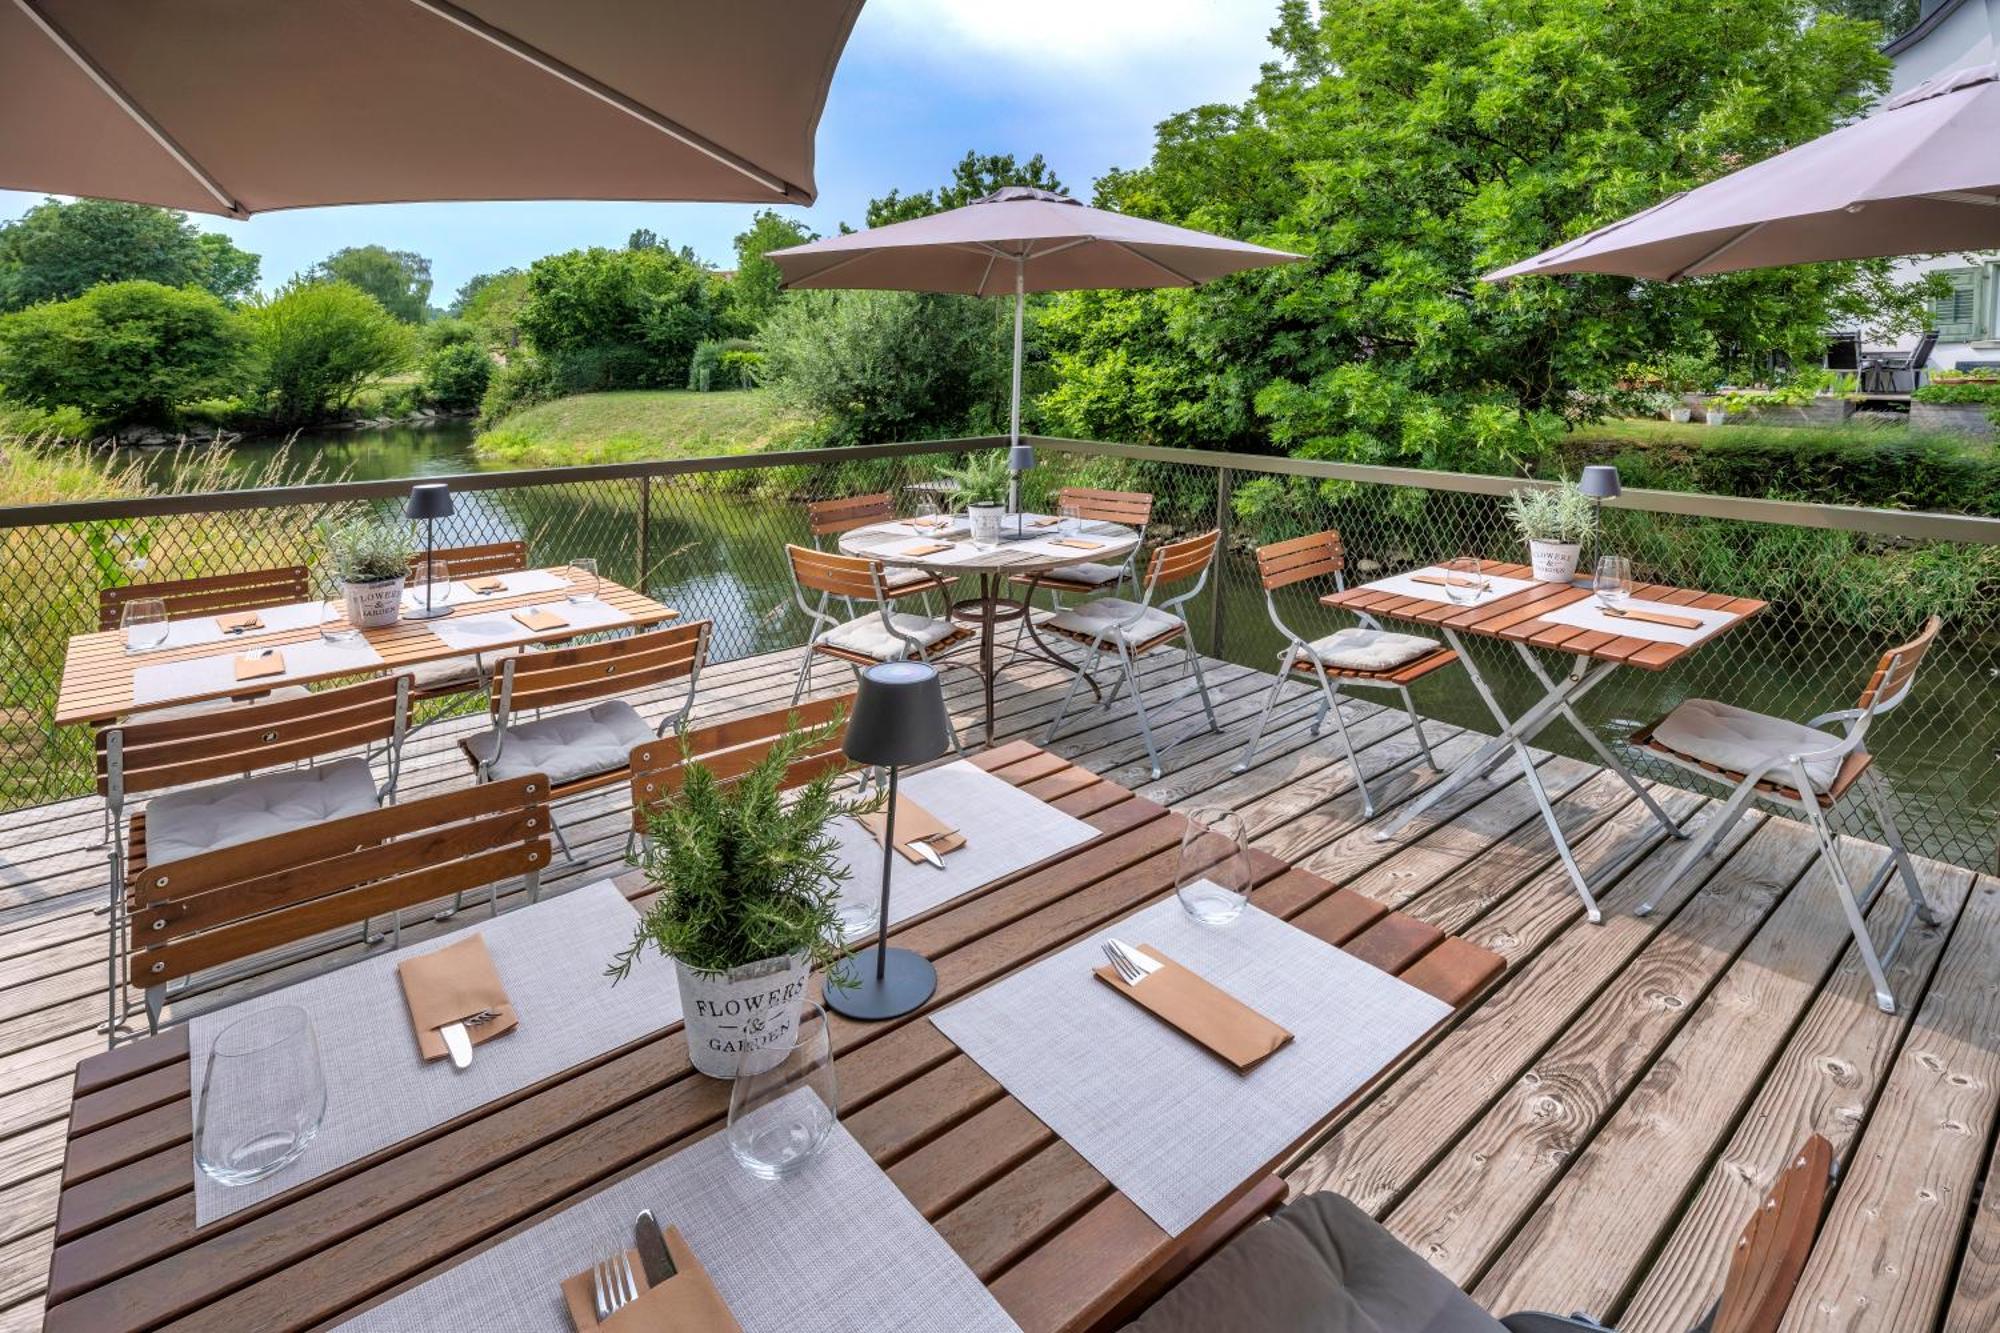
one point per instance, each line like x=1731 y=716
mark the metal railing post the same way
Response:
x=1215 y=596
x=645 y=531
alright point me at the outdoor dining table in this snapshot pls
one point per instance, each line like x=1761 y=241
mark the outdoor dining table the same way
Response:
x=1055 y=1243
x=99 y=674
x=1521 y=617
x=889 y=542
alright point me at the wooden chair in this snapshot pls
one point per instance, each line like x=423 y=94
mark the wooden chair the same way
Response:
x=235 y=903
x=165 y=758
x=1134 y=509
x=1364 y=654
x=1807 y=769
x=829 y=518
x=730 y=749
x=1132 y=629
x=878 y=634
x=479 y=562
x=456 y=675
x=214 y=595
x=586 y=745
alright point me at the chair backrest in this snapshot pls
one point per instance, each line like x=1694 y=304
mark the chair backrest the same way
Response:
x=1176 y=562
x=1316 y=555
x=478 y=562
x=1897 y=671
x=1767 y=1262
x=731 y=749
x=1921 y=357
x=1843 y=352
x=140 y=756
x=1132 y=508
x=834 y=574
x=566 y=676
x=826 y=517
x=235 y=902
x=213 y=595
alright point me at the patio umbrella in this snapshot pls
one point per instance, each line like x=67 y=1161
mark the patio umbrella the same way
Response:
x=1022 y=240
x=240 y=106
x=1919 y=176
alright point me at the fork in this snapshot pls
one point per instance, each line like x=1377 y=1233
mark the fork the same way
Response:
x=1125 y=967
x=613 y=1287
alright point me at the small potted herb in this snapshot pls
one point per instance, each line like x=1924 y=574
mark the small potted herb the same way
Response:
x=372 y=562
x=981 y=492
x=1555 y=521
x=749 y=878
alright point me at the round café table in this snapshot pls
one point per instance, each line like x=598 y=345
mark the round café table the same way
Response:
x=1038 y=550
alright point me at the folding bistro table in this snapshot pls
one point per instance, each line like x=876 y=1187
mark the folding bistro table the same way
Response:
x=1557 y=618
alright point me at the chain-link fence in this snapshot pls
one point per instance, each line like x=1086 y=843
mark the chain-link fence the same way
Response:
x=707 y=536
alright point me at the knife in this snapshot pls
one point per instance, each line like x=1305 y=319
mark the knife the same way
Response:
x=1134 y=957
x=457 y=1043
x=653 y=1256
x=928 y=852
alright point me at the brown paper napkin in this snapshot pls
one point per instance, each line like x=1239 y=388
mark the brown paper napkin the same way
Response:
x=488 y=585
x=914 y=824
x=1045 y=522
x=687 y=1302
x=539 y=618
x=239 y=621
x=928 y=548
x=254 y=667
x=1654 y=618
x=1202 y=1011
x=1078 y=542
x=1438 y=579
x=444 y=986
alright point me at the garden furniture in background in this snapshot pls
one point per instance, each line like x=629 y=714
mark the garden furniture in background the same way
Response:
x=1898 y=372
x=830 y=518
x=1132 y=509
x=478 y=573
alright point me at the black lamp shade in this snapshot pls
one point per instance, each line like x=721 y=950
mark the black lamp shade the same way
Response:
x=1020 y=458
x=432 y=499
x=1600 y=482
x=899 y=716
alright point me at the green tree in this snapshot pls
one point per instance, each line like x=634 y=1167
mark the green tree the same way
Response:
x=1407 y=146
x=1895 y=16
x=754 y=290
x=400 y=280
x=492 y=303
x=619 y=319
x=976 y=176
x=455 y=376
x=56 y=251
x=123 y=352
x=320 y=343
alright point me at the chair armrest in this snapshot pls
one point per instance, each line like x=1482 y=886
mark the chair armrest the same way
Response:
x=1534 y=1321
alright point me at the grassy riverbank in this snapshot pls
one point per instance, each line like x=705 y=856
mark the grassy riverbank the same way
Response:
x=631 y=425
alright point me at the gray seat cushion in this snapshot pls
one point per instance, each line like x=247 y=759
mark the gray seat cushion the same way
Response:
x=1359 y=649
x=201 y=819
x=1321 y=1265
x=452 y=672
x=868 y=636
x=1111 y=618
x=567 y=746
x=278 y=695
x=903 y=578
x=1744 y=742
x=1088 y=574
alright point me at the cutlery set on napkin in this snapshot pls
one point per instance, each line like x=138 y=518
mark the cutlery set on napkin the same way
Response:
x=539 y=618
x=259 y=664
x=1192 y=1005
x=456 y=1000
x=921 y=837
x=657 y=1284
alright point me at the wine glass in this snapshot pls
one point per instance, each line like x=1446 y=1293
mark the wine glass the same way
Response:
x=144 y=621
x=1213 y=876
x=1613 y=581
x=927 y=512
x=263 y=1096
x=583 y=578
x=783 y=1104
x=1464 y=579
x=430 y=584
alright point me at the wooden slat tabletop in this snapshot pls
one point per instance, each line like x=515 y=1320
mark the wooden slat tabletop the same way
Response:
x=1056 y=1244
x=97 y=671
x=1519 y=617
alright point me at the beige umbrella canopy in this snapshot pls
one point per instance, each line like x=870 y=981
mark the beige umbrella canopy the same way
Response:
x=241 y=106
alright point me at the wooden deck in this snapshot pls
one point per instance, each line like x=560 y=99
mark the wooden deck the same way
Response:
x=1591 y=1136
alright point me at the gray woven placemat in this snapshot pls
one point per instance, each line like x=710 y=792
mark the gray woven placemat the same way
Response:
x=1006 y=830
x=551 y=959
x=1169 y=1124
x=467 y=633
x=834 y=1247
x=166 y=682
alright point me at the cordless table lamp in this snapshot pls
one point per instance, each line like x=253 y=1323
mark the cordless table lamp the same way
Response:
x=429 y=501
x=1600 y=483
x=1020 y=458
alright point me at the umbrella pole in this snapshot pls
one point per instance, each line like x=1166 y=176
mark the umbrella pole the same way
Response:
x=1020 y=275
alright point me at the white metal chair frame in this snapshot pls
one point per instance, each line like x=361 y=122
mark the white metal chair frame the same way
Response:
x=1115 y=635
x=1331 y=680
x=1784 y=781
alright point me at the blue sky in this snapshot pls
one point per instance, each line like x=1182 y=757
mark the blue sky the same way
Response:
x=1081 y=81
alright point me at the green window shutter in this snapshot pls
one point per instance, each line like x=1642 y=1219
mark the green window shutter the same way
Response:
x=1956 y=315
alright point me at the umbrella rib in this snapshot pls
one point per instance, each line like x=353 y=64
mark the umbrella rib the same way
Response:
x=1158 y=264
x=110 y=88
x=610 y=96
x=1719 y=250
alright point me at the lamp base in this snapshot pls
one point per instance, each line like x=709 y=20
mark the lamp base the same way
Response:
x=907 y=981
x=1009 y=535
x=438 y=612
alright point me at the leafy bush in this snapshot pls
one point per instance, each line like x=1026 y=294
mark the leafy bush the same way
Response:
x=523 y=381
x=619 y=319
x=58 y=251
x=725 y=363
x=1982 y=392
x=124 y=351
x=319 y=344
x=455 y=376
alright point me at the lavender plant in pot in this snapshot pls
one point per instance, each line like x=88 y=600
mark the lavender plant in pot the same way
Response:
x=1555 y=521
x=372 y=562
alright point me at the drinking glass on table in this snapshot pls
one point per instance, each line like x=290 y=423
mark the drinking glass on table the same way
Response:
x=583 y=579
x=144 y=621
x=928 y=518
x=263 y=1096
x=430 y=584
x=1613 y=581
x=784 y=1103
x=1213 y=876
x=1072 y=520
x=1464 y=579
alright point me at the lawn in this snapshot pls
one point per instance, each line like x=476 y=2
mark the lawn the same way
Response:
x=634 y=424
x=1647 y=434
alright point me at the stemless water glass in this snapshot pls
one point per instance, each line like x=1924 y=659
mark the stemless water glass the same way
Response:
x=1464 y=579
x=927 y=512
x=263 y=1096
x=1613 y=581
x=430 y=584
x=784 y=1103
x=1213 y=876
x=144 y=621
x=1072 y=520
x=583 y=578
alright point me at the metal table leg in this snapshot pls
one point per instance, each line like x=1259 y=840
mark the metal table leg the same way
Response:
x=1603 y=751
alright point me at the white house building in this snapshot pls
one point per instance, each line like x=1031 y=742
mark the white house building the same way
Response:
x=1950 y=35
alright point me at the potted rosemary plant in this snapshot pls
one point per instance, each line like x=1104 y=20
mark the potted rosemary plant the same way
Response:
x=372 y=561
x=749 y=879
x=982 y=492
x=1555 y=521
